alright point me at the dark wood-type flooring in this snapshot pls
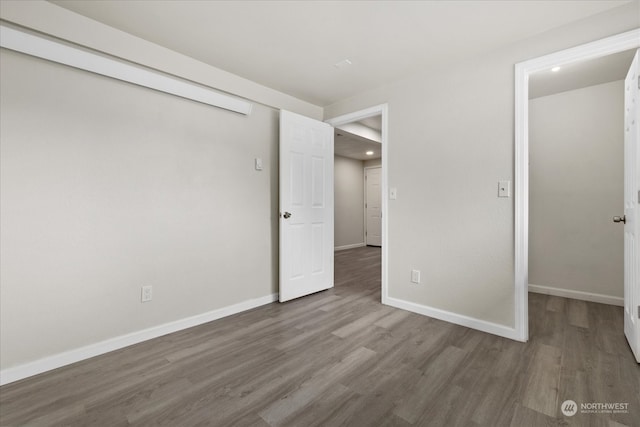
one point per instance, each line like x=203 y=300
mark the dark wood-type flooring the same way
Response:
x=339 y=357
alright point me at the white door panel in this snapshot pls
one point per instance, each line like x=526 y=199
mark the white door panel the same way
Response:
x=373 y=206
x=306 y=206
x=631 y=209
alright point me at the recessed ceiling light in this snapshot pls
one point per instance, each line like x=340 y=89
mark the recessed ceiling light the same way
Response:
x=369 y=153
x=555 y=69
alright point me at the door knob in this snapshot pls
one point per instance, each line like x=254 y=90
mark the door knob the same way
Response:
x=287 y=215
x=622 y=219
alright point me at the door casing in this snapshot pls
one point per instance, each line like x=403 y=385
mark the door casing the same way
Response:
x=607 y=46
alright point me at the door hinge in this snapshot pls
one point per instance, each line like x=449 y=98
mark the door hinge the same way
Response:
x=365 y=205
x=639 y=312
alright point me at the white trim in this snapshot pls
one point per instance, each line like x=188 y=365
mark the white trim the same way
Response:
x=65 y=54
x=17 y=373
x=606 y=46
x=345 y=247
x=458 y=319
x=383 y=110
x=570 y=293
x=521 y=207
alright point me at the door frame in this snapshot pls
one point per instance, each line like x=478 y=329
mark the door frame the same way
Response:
x=383 y=111
x=607 y=46
x=365 y=198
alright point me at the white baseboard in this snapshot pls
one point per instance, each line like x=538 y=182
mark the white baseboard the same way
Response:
x=569 y=293
x=345 y=247
x=19 y=372
x=458 y=319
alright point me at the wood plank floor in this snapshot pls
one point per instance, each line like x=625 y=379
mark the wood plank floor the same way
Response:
x=339 y=357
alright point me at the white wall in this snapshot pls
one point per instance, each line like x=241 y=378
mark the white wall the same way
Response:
x=451 y=136
x=576 y=154
x=348 y=202
x=108 y=186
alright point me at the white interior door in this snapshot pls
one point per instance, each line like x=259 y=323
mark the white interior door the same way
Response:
x=306 y=206
x=373 y=206
x=631 y=210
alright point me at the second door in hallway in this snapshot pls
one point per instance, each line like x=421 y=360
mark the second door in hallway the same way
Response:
x=373 y=206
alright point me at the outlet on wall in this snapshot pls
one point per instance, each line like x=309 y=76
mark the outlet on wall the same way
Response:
x=147 y=294
x=415 y=276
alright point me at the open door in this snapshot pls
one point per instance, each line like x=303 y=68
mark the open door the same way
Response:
x=306 y=206
x=631 y=216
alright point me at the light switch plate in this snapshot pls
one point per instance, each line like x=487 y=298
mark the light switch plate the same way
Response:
x=415 y=276
x=504 y=188
x=258 y=164
x=146 y=294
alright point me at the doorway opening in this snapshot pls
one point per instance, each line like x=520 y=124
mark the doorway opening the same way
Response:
x=360 y=209
x=524 y=70
x=576 y=152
